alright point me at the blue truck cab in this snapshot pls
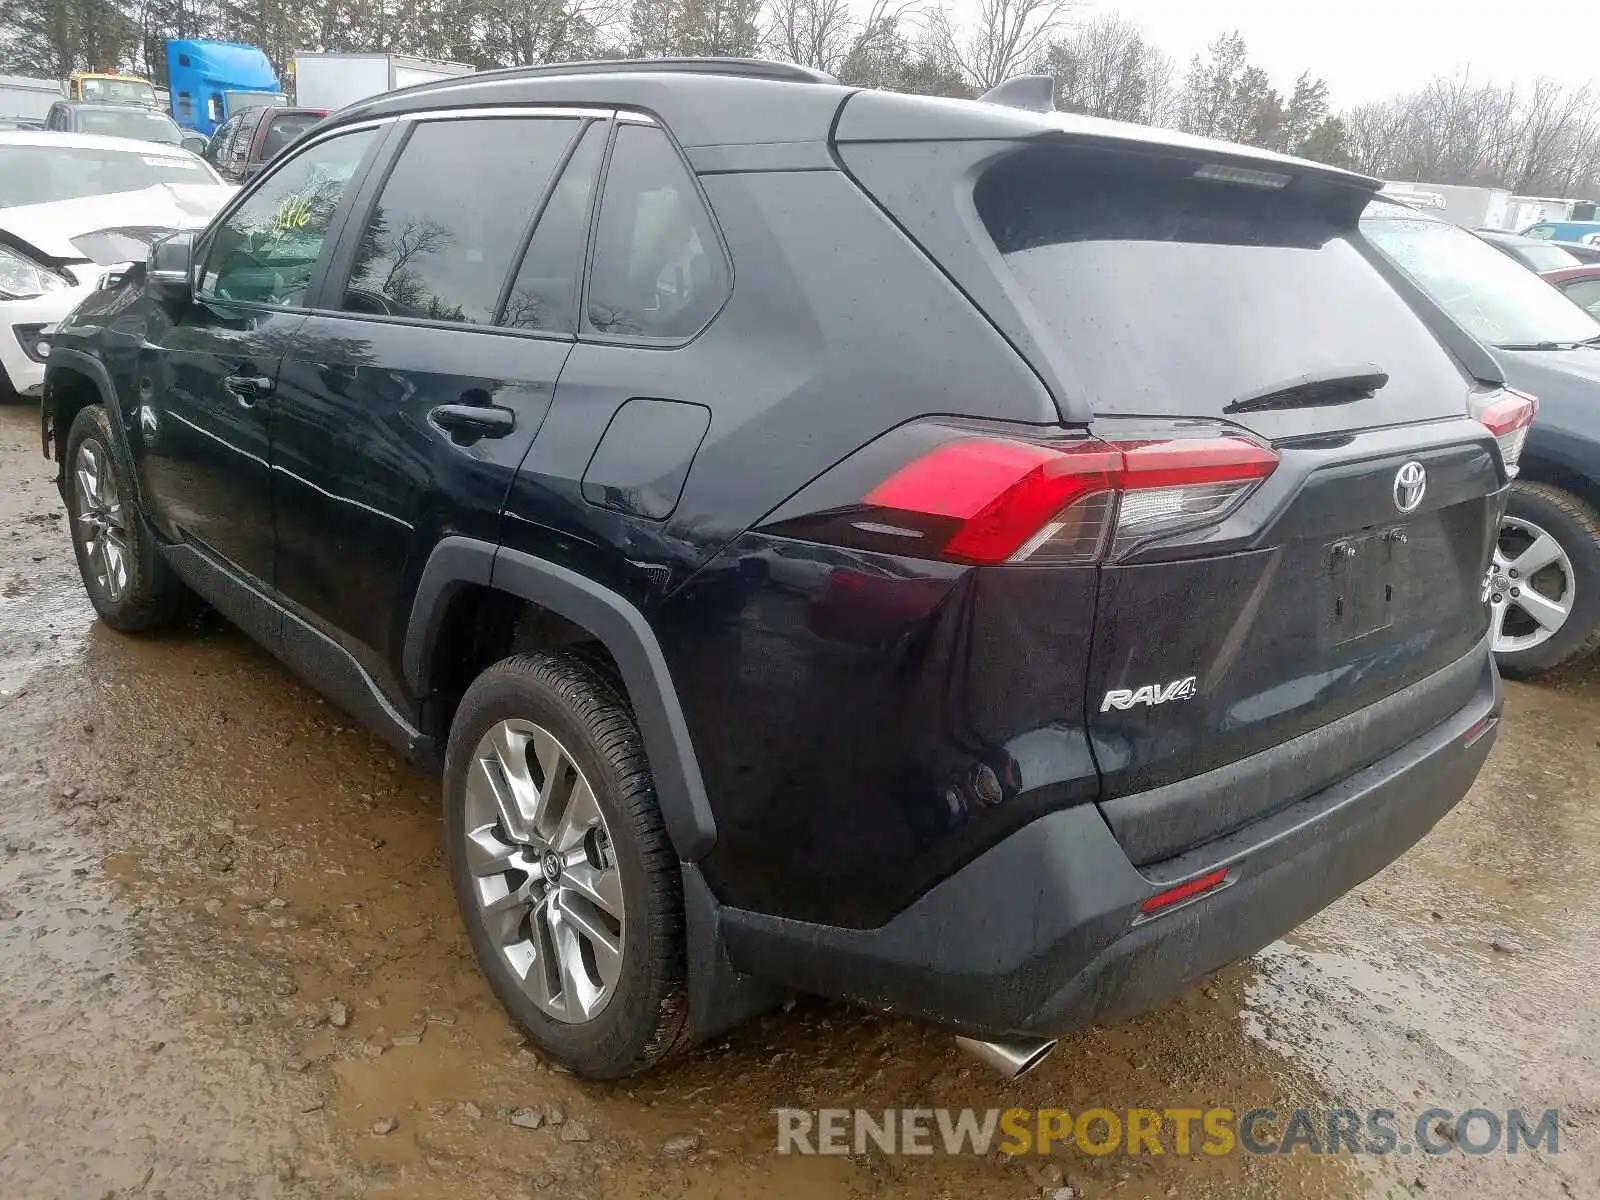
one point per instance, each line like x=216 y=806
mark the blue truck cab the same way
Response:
x=210 y=81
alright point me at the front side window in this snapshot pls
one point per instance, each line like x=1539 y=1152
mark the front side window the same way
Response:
x=1496 y=300
x=440 y=238
x=267 y=249
x=219 y=141
x=1544 y=232
x=658 y=269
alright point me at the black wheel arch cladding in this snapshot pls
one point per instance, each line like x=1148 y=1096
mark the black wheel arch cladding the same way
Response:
x=618 y=625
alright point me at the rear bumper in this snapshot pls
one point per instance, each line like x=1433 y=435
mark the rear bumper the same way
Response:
x=1041 y=934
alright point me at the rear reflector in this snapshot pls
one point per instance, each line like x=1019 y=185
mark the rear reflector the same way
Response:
x=1509 y=416
x=990 y=500
x=1210 y=881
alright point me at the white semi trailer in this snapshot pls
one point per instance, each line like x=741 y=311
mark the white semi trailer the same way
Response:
x=331 y=81
x=28 y=98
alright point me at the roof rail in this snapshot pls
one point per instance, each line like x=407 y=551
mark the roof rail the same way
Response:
x=749 y=68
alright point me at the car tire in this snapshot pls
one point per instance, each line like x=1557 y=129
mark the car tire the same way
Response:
x=538 y=933
x=1569 y=580
x=128 y=581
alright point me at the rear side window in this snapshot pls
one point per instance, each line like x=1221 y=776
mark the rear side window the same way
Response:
x=658 y=270
x=544 y=296
x=451 y=215
x=1174 y=296
x=284 y=130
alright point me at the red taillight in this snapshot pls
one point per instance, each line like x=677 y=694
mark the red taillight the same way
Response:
x=1002 y=493
x=1197 y=886
x=1508 y=417
x=994 y=501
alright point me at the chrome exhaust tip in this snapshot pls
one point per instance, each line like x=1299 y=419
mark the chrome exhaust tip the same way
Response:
x=1011 y=1059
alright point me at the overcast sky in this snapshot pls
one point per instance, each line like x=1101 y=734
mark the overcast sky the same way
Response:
x=1370 y=49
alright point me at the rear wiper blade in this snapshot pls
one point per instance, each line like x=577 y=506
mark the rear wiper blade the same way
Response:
x=1339 y=385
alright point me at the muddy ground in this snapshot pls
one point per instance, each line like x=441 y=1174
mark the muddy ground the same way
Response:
x=230 y=967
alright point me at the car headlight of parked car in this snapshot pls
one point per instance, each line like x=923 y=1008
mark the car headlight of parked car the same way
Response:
x=21 y=278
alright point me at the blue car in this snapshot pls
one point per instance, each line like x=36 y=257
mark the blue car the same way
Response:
x=1564 y=231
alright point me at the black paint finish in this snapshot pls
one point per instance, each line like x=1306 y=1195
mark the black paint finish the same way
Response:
x=203 y=446
x=365 y=484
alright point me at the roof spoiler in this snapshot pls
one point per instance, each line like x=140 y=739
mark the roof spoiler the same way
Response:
x=1036 y=93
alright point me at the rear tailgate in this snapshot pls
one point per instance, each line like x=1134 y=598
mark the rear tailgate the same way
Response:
x=1337 y=613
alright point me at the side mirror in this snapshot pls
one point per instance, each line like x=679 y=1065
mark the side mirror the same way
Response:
x=194 y=143
x=168 y=271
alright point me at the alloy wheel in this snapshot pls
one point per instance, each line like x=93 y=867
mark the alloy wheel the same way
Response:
x=547 y=884
x=102 y=525
x=1531 y=587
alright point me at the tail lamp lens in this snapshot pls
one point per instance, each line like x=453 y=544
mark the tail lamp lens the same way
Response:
x=986 y=500
x=1509 y=416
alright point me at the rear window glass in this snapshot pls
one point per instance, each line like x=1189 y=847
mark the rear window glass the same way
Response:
x=1545 y=258
x=1171 y=295
x=284 y=130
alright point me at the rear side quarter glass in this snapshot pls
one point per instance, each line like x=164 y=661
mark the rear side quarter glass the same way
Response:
x=657 y=271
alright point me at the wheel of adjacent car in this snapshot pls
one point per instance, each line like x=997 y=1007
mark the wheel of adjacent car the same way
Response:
x=1544 y=591
x=129 y=583
x=567 y=884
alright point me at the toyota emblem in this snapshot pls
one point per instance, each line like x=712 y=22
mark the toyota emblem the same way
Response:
x=1410 y=484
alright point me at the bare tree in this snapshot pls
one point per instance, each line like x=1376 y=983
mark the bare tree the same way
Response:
x=825 y=34
x=1007 y=37
x=1541 y=140
x=812 y=33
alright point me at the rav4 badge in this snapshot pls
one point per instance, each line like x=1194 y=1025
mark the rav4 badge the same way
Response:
x=1150 y=694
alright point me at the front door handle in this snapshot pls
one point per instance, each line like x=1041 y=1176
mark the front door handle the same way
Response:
x=474 y=420
x=248 y=389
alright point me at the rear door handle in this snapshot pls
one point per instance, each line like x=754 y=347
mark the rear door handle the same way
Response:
x=474 y=420
x=248 y=389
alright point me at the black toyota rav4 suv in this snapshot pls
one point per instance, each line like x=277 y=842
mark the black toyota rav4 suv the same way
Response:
x=973 y=561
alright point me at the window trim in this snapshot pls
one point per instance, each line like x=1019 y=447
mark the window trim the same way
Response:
x=378 y=177
x=586 y=333
x=336 y=222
